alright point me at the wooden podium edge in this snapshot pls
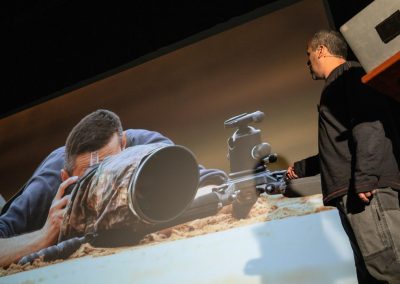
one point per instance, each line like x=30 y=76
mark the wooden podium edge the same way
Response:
x=381 y=68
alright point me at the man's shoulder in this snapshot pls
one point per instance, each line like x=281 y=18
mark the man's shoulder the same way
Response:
x=57 y=154
x=131 y=133
x=55 y=160
x=350 y=67
x=144 y=136
x=349 y=71
x=134 y=135
x=353 y=64
x=58 y=151
x=354 y=69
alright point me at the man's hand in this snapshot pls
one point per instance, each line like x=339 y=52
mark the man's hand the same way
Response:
x=51 y=228
x=290 y=173
x=366 y=196
x=14 y=248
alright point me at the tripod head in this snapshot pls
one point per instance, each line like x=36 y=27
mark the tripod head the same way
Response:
x=246 y=152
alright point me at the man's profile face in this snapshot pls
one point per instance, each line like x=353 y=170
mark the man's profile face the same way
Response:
x=313 y=62
x=85 y=160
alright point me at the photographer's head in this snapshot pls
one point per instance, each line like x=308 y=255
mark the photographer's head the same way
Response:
x=96 y=136
x=325 y=51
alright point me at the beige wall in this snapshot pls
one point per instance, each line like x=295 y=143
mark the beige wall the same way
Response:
x=188 y=93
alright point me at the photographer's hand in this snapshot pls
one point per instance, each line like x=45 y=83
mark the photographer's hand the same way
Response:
x=51 y=228
x=290 y=173
x=12 y=249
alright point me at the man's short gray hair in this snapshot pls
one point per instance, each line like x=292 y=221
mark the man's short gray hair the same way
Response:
x=333 y=40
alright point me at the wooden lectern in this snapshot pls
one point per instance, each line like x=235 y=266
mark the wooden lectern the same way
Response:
x=386 y=77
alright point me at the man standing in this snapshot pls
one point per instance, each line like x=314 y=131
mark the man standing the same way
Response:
x=356 y=159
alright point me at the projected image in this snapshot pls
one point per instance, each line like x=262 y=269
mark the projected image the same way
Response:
x=175 y=160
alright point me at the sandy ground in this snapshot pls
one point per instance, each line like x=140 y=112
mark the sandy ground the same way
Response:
x=267 y=207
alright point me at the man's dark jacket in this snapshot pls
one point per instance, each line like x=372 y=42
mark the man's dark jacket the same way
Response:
x=357 y=137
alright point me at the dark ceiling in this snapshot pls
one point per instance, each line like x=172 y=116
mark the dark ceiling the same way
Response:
x=53 y=46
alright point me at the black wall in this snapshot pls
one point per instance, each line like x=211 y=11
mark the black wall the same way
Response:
x=51 y=46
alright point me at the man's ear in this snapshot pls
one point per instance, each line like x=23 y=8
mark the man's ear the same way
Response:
x=64 y=175
x=123 y=140
x=321 y=50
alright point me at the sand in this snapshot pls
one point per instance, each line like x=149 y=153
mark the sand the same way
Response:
x=267 y=207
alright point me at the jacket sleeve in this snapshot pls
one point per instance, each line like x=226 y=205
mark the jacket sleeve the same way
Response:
x=27 y=211
x=211 y=176
x=368 y=133
x=142 y=136
x=307 y=167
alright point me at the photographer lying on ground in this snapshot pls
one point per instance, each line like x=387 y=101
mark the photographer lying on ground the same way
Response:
x=31 y=221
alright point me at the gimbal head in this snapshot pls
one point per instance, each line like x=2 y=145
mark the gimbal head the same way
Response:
x=246 y=152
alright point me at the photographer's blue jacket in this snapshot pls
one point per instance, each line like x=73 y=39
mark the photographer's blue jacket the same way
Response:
x=27 y=211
